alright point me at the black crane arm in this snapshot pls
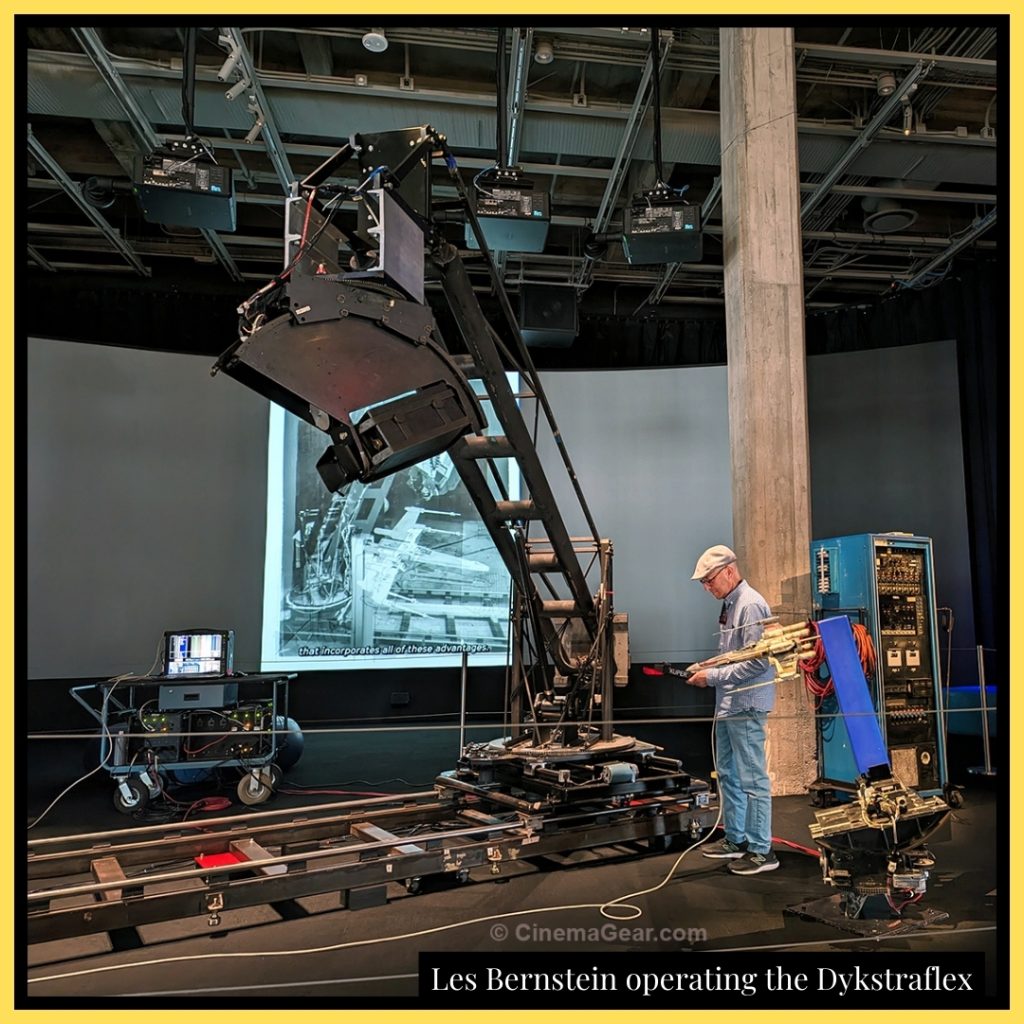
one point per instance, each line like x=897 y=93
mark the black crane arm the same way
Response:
x=358 y=354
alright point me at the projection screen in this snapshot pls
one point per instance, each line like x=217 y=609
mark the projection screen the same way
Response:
x=398 y=573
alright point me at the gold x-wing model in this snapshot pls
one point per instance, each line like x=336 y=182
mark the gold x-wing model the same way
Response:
x=784 y=646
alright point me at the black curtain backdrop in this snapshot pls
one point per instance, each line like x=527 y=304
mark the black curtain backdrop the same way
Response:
x=983 y=362
x=972 y=308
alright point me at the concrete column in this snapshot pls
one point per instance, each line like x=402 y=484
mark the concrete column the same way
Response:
x=765 y=331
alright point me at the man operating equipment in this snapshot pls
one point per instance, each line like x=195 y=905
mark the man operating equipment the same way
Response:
x=744 y=694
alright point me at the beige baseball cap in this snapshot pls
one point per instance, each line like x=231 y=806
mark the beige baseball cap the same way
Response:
x=716 y=557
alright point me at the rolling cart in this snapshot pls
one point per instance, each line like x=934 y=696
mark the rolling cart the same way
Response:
x=156 y=730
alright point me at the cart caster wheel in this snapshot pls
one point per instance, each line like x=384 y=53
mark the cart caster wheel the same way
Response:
x=412 y=885
x=130 y=796
x=255 y=787
x=462 y=876
x=954 y=797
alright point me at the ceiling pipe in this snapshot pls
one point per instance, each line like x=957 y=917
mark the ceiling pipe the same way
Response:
x=65 y=84
x=898 y=58
x=90 y=42
x=515 y=108
x=620 y=166
x=979 y=228
x=146 y=135
x=57 y=173
x=514 y=112
x=866 y=136
x=38 y=258
x=271 y=136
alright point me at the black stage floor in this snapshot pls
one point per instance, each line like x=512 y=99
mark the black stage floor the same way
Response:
x=324 y=952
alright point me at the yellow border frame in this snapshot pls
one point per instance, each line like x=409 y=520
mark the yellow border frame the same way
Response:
x=787 y=12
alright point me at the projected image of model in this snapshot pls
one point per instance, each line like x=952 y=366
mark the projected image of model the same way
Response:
x=396 y=567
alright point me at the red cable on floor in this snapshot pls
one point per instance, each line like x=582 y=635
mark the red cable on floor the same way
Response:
x=209 y=803
x=796 y=846
x=786 y=842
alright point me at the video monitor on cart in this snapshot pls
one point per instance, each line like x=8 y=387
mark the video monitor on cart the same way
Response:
x=198 y=652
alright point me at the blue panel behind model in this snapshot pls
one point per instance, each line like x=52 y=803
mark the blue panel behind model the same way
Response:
x=964 y=708
x=852 y=693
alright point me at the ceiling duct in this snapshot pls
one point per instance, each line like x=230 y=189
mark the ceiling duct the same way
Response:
x=886 y=216
x=890 y=214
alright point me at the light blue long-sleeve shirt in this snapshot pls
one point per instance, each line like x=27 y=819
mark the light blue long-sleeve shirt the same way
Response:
x=736 y=686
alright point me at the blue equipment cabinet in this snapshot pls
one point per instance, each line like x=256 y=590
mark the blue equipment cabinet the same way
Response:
x=886 y=581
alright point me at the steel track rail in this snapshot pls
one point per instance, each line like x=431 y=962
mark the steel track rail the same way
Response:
x=308 y=861
x=65 y=855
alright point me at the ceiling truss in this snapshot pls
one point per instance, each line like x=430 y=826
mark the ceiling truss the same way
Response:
x=579 y=125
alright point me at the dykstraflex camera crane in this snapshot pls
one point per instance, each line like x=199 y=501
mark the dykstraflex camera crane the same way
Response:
x=357 y=353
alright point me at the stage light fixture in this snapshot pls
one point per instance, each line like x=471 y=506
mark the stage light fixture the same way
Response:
x=885 y=83
x=231 y=61
x=237 y=89
x=908 y=119
x=254 y=132
x=543 y=52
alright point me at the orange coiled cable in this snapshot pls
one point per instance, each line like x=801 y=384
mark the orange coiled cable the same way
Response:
x=812 y=665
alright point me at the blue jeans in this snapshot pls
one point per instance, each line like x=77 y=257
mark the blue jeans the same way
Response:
x=743 y=780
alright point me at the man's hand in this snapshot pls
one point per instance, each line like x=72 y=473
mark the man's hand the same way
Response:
x=698 y=678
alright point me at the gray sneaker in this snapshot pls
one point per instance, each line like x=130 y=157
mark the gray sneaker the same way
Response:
x=754 y=863
x=724 y=849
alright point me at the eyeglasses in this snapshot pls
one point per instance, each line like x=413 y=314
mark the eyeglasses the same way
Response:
x=708 y=580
